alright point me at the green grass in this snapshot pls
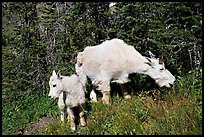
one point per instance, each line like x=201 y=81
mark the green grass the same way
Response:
x=162 y=111
x=139 y=116
x=20 y=109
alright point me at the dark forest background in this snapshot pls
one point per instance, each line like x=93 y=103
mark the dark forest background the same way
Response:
x=39 y=37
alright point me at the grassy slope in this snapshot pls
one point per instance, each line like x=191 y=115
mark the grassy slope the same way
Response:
x=175 y=114
x=177 y=110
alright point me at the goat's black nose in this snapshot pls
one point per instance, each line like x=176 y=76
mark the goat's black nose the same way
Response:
x=171 y=84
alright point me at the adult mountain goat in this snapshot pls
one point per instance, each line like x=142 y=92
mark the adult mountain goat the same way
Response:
x=113 y=61
x=71 y=94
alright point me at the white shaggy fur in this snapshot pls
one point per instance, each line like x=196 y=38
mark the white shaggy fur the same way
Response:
x=113 y=61
x=71 y=94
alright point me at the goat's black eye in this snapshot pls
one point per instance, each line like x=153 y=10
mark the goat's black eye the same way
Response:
x=54 y=85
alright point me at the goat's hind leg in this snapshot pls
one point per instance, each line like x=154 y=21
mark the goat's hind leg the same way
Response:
x=82 y=116
x=72 y=118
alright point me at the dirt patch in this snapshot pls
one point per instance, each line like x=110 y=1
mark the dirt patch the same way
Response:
x=40 y=126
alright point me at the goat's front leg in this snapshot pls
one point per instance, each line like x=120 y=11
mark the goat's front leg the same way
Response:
x=105 y=90
x=106 y=97
x=125 y=93
x=72 y=118
x=61 y=106
x=93 y=96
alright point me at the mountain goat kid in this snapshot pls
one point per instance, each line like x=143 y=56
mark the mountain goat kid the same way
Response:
x=71 y=95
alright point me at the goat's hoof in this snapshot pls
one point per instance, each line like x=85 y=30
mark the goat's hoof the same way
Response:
x=127 y=97
x=105 y=101
x=68 y=119
x=83 y=124
x=94 y=101
x=62 y=120
x=73 y=127
x=82 y=121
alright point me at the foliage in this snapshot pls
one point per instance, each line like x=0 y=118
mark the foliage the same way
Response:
x=26 y=45
x=20 y=109
x=195 y=85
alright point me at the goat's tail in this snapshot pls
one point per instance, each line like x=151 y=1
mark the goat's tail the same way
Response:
x=82 y=77
x=79 y=70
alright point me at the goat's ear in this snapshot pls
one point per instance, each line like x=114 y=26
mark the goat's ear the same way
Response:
x=58 y=74
x=54 y=73
x=161 y=61
x=151 y=55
